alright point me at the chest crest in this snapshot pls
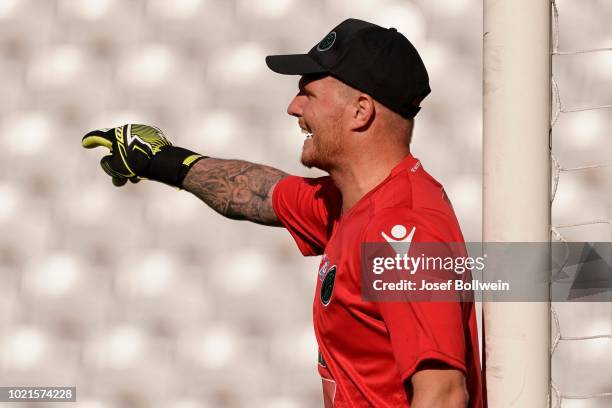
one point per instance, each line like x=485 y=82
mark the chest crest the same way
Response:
x=327 y=276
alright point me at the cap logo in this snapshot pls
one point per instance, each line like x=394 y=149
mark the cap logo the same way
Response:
x=327 y=42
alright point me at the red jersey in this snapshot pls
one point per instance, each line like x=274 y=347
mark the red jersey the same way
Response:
x=368 y=350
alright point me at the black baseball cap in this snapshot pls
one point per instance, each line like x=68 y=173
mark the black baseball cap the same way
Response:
x=378 y=61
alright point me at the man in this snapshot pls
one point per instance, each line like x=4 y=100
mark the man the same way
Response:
x=359 y=91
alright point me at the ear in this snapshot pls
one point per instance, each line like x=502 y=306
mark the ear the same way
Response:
x=362 y=111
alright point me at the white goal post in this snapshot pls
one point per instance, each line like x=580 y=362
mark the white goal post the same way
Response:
x=516 y=189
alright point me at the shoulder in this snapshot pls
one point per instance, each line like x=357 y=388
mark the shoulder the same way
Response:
x=413 y=200
x=434 y=223
x=322 y=185
x=318 y=196
x=400 y=223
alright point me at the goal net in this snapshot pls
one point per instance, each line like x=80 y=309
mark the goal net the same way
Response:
x=547 y=176
x=581 y=194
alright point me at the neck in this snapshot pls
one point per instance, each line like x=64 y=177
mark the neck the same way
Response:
x=356 y=178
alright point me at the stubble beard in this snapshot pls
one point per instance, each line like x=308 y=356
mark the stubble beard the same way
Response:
x=325 y=150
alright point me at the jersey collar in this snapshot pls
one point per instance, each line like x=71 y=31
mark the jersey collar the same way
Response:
x=409 y=163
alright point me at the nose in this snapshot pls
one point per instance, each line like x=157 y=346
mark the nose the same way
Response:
x=296 y=106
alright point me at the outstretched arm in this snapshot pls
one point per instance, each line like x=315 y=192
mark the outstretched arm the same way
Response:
x=235 y=189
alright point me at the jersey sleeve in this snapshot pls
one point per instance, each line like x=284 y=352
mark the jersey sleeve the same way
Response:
x=307 y=207
x=421 y=332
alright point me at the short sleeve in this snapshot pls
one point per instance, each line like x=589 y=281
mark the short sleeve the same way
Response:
x=307 y=207
x=420 y=330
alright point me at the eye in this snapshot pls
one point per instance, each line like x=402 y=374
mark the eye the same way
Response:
x=305 y=87
x=306 y=93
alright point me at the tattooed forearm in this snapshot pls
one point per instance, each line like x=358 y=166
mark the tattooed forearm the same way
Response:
x=236 y=189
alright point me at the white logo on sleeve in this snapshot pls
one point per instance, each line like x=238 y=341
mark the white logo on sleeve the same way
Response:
x=399 y=240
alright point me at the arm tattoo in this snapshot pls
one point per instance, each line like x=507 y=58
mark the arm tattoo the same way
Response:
x=236 y=189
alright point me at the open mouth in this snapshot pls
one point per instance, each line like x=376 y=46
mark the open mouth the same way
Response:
x=307 y=132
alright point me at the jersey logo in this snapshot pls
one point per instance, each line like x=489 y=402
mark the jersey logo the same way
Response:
x=323 y=268
x=399 y=240
x=327 y=286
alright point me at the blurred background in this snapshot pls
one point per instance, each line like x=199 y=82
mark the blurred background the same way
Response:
x=141 y=296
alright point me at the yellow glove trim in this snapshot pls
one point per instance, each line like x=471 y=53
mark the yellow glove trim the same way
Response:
x=96 y=141
x=190 y=159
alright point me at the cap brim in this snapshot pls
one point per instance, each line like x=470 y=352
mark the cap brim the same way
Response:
x=294 y=64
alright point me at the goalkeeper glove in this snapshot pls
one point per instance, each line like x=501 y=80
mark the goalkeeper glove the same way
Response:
x=141 y=151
